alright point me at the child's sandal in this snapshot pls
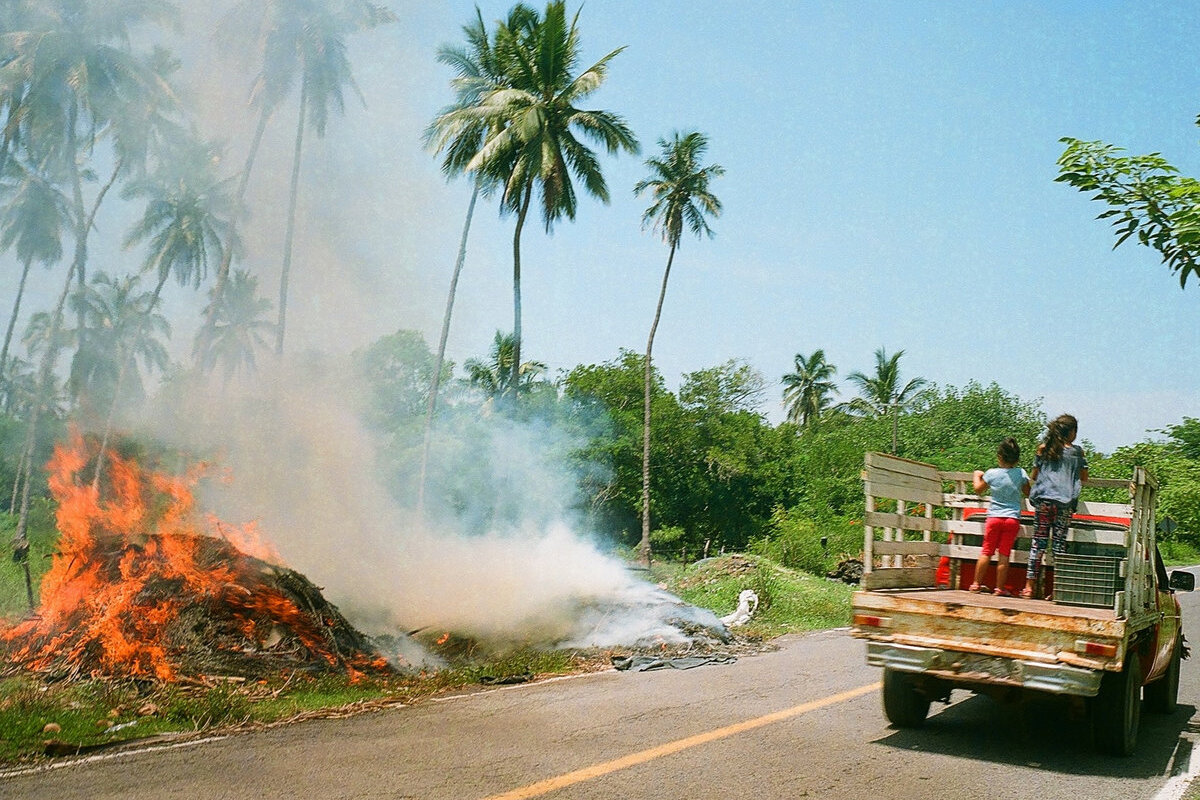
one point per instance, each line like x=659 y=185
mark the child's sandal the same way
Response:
x=1027 y=593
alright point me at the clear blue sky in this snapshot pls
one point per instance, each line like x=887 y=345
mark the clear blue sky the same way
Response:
x=889 y=183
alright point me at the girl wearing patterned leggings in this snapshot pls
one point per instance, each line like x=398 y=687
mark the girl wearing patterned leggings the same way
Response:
x=1058 y=474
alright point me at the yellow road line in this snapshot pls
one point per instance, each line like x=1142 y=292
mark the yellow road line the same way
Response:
x=596 y=770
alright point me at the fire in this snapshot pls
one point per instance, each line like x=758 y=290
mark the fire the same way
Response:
x=143 y=584
x=445 y=637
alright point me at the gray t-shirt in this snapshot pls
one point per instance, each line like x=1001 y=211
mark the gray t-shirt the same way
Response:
x=1059 y=480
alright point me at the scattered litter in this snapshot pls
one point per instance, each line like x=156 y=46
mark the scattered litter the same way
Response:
x=747 y=605
x=646 y=663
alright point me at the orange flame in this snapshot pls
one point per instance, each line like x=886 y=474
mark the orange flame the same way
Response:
x=127 y=565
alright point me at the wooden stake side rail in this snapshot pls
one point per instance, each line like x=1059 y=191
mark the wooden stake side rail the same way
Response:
x=905 y=554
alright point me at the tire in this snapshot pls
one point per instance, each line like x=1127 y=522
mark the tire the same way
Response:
x=903 y=704
x=1117 y=709
x=1162 y=696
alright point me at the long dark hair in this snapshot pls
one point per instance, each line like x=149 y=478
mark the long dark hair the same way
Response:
x=1060 y=430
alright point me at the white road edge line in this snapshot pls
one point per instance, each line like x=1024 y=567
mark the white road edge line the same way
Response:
x=74 y=762
x=1178 y=784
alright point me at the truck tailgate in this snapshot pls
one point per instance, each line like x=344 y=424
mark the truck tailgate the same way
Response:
x=1005 y=627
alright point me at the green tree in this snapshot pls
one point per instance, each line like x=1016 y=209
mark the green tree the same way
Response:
x=534 y=124
x=121 y=327
x=498 y=378
x=397 y=371
x=480 y=70
x=882 y=395
x=1185 y=437
x=68 y=74
x=958 y=429
x=188 y=215
x=807 y=392
x=240 y=328
x=303 y=42
x=725 y=389
x=31 y=224
x=680 y=188
x=1146 y=196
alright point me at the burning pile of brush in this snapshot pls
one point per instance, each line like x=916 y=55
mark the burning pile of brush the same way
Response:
x=144 y=585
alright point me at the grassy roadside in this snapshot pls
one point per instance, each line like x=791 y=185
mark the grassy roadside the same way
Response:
x=78 y=716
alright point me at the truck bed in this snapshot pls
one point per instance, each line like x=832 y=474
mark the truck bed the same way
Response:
x=1018 y=604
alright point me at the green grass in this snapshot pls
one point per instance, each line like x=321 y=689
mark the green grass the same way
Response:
x=788 y=601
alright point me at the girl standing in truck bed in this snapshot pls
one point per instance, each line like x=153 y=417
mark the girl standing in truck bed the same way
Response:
x=1008 y=485
x=1058 y=474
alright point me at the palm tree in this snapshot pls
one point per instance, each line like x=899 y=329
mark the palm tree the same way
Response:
x=240 y=327
x=31 y=224
x=301 y=41
x=679 y=186
x=534 y=123
x=68 y=72
x=496 y=378
x=806 y=392
x=121 y=327
x=881 y=394
x=188 y=217
x=479 y=71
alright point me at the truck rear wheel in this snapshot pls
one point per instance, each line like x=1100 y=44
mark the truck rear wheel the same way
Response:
x=903 y=704
x=1117 y=709
x=1162 y=696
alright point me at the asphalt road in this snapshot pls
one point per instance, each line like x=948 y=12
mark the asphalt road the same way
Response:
x=804 y=721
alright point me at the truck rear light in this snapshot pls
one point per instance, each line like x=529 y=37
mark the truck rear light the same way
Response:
x=869 y=621
x=1095 y=648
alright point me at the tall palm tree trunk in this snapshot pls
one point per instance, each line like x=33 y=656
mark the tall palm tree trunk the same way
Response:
x=895 y=428
x=84 y=221
x=291 y=223
x=517 y=288
x=222 y=279
x=12 y=321
x=431 y=403
x=644 y=547
x=45 y=382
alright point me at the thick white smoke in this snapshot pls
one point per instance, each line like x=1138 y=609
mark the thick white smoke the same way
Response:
x=304 y=469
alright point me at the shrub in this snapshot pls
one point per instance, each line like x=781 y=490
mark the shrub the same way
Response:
x=795 y=541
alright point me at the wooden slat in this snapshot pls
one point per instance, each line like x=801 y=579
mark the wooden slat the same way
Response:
x=883 y=462
x=896 y=492
x=1105 y=509
x=910 y=578
x=908 y=548
x=904 y=522
x=968 y=553
x=1095 y=483
x=1115 y=538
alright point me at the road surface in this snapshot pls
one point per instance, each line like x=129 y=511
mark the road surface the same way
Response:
x=803 y=721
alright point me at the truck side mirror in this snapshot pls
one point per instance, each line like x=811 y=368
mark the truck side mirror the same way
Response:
x=1183 y=580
